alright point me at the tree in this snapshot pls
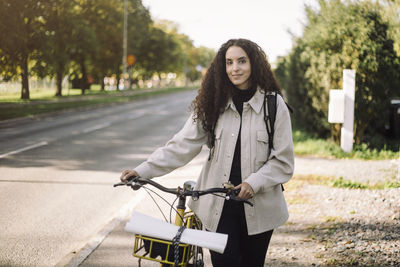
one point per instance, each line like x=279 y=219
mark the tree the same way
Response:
x=344 y=35
x=290 y=72
x=85 y=46
x=159 y=52
x=60 y=24
x=391 y=13
x=140 y=34
x=83 y=38
x=104 y=17
x=190 y=58
x=21 y=33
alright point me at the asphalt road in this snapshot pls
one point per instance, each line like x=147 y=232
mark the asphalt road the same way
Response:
x=56 y=173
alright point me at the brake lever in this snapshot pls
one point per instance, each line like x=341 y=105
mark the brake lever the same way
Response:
x=119 y=184
x=136 y=185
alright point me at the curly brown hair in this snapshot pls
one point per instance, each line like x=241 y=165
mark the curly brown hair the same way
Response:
x=216 y=88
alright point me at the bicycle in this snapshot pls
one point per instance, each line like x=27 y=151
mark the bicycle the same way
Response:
x=171 y=251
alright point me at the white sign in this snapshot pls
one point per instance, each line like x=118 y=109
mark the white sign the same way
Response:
x=341 y=109
x=336 y=106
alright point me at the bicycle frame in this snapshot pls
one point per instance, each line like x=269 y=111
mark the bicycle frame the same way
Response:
x=162 y=251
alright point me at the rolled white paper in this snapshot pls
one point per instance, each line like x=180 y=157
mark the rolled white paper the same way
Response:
x=145 y=225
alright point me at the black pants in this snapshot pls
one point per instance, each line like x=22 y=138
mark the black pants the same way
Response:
x=242 y=250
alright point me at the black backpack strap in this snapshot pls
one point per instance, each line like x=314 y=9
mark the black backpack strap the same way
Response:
x=270 y=99
x=289 y=107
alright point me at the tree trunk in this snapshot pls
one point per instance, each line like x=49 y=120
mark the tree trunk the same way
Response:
x=118 y=73
x=102 y=82
x=59 y=78
x=359 y=129
x=84 y=76
x=24 y=78
x=335 y=132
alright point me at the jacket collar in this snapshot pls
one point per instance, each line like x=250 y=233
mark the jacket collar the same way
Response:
x=256 y=102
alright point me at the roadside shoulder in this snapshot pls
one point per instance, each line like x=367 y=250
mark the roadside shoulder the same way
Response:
x=366 y=171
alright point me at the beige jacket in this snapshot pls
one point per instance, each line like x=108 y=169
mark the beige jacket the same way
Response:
x=264 y=175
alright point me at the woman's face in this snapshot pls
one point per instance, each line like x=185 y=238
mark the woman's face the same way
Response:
x=238 y=67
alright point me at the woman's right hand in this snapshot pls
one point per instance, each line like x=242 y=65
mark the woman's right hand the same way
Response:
x=126 y=174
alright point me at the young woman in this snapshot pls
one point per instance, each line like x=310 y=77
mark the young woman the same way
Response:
x=228 y=116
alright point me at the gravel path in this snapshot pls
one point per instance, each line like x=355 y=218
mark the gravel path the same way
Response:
x=371 y=171
x=340 y=226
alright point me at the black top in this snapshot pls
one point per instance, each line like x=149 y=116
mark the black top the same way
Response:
x=232 y=207
x=239 y=97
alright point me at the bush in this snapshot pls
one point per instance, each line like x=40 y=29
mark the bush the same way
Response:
x=342 y=35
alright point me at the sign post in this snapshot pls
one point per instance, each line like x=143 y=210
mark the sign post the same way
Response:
x=130 y=60
x=341 y=109
x=349 y=89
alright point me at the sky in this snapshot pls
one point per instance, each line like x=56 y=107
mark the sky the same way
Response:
x=210 y=23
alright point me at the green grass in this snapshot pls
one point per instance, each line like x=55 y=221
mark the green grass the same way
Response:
x=48 y=94
x=44 y=102
x=300 y=180
x=305 y=144
x=341 y=183
x=348 y=184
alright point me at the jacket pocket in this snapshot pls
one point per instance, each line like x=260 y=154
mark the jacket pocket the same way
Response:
x=262 y=148
x=217 y=144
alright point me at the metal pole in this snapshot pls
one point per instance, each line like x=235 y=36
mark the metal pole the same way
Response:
x=125 y=40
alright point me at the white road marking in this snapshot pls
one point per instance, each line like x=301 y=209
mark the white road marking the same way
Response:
x=43 y=143
x=97 y=127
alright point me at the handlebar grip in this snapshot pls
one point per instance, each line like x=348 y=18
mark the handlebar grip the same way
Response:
x=236 y=192
x=234 y=196
x=131 y=181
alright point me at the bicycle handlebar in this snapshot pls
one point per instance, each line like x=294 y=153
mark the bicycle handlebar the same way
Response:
x=231 y=194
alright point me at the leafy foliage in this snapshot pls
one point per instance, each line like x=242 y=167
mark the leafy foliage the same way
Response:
x=342 y=35
x=83 y=39
x=21 y=31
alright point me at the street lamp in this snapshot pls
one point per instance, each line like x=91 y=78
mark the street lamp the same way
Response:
x=125 y=39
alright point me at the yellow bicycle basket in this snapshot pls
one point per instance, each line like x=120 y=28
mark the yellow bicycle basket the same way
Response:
x=162 y=251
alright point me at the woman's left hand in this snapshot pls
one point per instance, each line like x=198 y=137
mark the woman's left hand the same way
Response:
x=246 y=191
